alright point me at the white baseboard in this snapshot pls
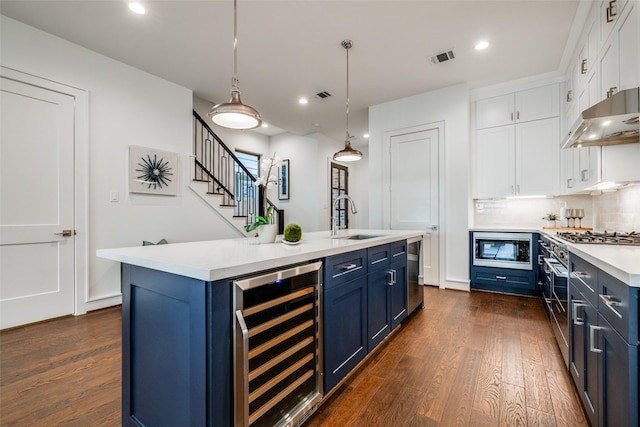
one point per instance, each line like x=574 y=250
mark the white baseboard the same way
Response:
x=99 y=303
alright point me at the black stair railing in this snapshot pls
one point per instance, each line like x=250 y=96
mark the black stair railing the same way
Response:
x=226 y=176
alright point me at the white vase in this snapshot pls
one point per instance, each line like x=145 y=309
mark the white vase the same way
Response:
x=267 y=233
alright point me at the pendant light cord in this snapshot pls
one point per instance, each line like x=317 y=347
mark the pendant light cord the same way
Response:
x=347 y=45
x=234 y=82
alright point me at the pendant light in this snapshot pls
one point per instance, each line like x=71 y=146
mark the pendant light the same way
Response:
x=234 y=114
x=347 y=154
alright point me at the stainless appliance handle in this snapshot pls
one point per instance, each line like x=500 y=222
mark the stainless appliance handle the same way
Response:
x=553 y=268
x=592 y=338
x=577 y=320
x=243 y=368
x=611 y=302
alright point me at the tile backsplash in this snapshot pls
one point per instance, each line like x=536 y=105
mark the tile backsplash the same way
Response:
x=613 y=211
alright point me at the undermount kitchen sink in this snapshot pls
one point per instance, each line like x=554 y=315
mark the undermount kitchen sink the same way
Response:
x=357 y=237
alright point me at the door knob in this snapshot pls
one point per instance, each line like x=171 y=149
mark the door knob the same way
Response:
x=434 y=227
x=66 y=233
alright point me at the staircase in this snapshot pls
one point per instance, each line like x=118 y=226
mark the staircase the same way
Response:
x=223 y=182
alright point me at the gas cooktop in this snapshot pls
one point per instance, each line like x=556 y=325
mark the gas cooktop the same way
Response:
x=602 y=238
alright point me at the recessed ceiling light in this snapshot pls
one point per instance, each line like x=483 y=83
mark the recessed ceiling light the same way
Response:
x=137 y=8
x=366 y=135
x=303 y=101
x=265 y=125
x=482 y=45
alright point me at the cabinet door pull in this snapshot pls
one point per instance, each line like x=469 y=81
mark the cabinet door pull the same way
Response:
x=569 y=95
x=501 y=277
x=348 y=266
x=592 y=338
x=583 y=66
x=517 y=115
x=577 y=320
x=512 y=116
x=570 y=183
x=610 y=12
x=612 y=91
x=578 y=275
x=611 y=302
x=584 y=175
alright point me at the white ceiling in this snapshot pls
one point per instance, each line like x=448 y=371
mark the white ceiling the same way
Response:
x=289 y=49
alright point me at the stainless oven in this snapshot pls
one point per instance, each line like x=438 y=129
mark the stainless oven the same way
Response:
x=552 y=259
x=502 y=250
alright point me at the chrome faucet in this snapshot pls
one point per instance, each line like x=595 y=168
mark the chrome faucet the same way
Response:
x=334 y=225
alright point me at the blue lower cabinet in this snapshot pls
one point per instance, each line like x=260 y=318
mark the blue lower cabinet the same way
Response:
x=522 y=282
x=603 y=345
x=378 y=306
x=399 y=292
x=176 y=348
x=345 y=329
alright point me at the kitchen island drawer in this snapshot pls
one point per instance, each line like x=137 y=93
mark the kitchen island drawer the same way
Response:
x=504 y=280
x=345 y=267
x=378 y=256
x=619 y=305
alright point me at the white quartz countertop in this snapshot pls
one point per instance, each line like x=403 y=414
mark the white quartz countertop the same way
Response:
x=620 y=261
x=221 y=259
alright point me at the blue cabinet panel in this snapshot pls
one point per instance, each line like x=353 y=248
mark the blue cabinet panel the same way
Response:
x=345 y=329
x=399 y=292
x=378 y=303
x=176 y=350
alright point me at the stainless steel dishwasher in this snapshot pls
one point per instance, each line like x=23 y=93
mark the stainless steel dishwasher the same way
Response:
x=278 y=346
x=415 y=291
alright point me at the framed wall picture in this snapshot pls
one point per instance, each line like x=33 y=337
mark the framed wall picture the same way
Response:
x=153 y=171
x=283 y=181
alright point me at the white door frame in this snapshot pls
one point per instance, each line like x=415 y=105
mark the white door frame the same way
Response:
x=386 y=197
x=81 y=177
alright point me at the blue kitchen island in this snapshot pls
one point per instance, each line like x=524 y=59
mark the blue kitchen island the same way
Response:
x=182 y=358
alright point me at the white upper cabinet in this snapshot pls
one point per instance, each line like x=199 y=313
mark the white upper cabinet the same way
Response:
x=517 y=151
x=607 y=60
x=496 y=111
x=628 y=38
x=518 y=107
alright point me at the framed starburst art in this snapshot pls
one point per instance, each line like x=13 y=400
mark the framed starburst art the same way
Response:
x=153 y=171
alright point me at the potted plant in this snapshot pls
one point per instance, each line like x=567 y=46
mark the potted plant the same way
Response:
x=266 y=230
x=551 y=219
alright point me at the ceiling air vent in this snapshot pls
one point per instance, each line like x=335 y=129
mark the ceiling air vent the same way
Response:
x=442 y=57
x=322 y=95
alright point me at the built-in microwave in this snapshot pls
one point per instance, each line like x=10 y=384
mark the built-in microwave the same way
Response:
x=503 y=250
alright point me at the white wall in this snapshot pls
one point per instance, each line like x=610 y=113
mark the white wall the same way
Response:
x=451 y=106
x=126 y=107
x=308 y=205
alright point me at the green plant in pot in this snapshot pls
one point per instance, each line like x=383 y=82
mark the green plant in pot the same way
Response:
x=551 y=219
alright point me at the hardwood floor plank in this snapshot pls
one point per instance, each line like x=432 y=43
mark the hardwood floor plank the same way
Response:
x=566 y=404
x=512 y=372
x=460 y=403
x=536 y=388
x=537 y=418
x=486 y=400
x=513 y=411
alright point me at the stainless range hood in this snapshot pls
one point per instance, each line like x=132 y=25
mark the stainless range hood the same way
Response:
x=613 y=121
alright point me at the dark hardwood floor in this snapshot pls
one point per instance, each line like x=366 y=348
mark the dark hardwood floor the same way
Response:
x=64 y=372
x=467 y=359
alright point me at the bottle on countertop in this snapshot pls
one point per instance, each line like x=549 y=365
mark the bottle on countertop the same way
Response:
x=564 y=222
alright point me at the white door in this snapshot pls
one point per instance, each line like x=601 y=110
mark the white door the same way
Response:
x=37 y=203
x=414 y=192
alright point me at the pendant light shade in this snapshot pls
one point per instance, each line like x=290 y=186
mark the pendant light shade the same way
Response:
x=234 y=114
x=348 y=154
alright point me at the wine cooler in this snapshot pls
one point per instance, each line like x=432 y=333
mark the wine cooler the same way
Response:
x=278 y=346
